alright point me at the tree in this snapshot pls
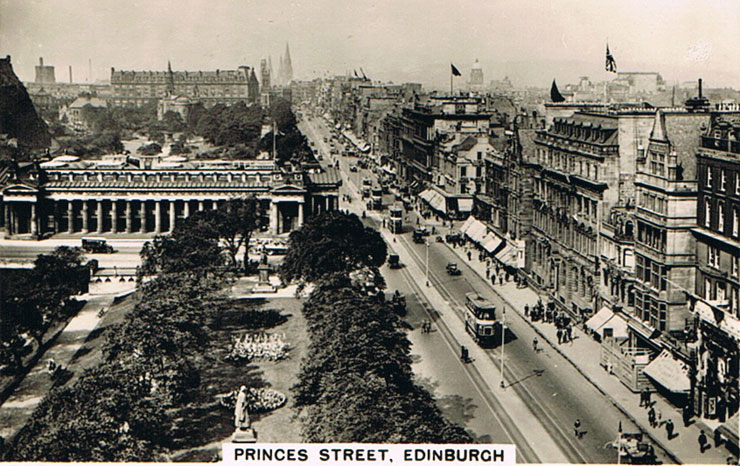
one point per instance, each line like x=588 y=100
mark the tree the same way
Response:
x=331 y=242
x=150 y=149
x=236 y=222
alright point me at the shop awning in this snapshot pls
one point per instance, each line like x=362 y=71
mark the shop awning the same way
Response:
x=466 y=225
x=477 y=231
x=669 y=372
x=464 y=205
x=618 y=326
x=729 y=429
x=508 y=255
x=491 y=242
x=435 y=200
x=599 y=319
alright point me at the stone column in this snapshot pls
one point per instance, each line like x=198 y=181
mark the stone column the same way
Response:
x=214 y=204
x=186 y=209
x=70 y=217
x=6 y=209
x=99 y=214
x=114 y=216
x=84 y=216
x=34 y=220
x=128 y=217
x=142 y=212
x=172 y=216
x=16 y=220
x=274 y=223
x=301 y=205
x=157 y=217
x=200 y=206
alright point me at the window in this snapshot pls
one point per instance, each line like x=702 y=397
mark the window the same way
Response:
x=721 y=291
x=737 y=182
x=735 y=298
x=480 y=155
x=720 y=216
x=713 y=256
x=736 y=266
x=722 y=180
x=596 y=172
x=707 y=212
x=735 y=222
x=707 y=289
x=709 y=177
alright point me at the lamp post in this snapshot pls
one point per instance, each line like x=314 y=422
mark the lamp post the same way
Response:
x=503 y=334
x=427 y=261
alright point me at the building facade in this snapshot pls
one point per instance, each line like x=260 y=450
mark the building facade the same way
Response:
x=122 y=194
x=137 y=88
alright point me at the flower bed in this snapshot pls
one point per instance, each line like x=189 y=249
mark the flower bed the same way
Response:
x=259 y=346
x=261 y=400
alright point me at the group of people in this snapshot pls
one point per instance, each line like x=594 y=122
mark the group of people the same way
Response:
x=259 y=345
x=548 y=314
x=426 y=326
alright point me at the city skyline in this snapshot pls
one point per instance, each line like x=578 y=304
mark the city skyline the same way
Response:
x=560 y=39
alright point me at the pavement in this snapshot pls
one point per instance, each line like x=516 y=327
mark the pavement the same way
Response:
x=18 y=408
x=583 y=353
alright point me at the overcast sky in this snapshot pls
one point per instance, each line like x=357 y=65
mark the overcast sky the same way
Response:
x=532 y=41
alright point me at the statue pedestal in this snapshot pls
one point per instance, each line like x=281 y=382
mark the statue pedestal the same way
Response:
x=264 y=285
x=247 y=435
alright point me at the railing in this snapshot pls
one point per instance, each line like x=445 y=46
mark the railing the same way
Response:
x=725 y=145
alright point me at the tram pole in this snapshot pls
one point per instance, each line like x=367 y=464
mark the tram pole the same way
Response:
x=503 y=334
x=427 y=261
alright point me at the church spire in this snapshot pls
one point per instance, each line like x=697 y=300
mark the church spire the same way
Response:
x=170 y=79
x=659 y=132
x=287 y=66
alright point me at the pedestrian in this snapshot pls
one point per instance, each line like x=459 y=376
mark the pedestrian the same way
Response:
x=470 y=256
x=534 y=344
x=686 y=414
x=647 y=396
x=576 y=426
x=569 y=332
x=669 y=428
x=658 y=417
x=642 y=397
x=651 y=416
x=493 y=279
x=526 y=310
x=702 y=441
x=560 y=336
x=488 y=273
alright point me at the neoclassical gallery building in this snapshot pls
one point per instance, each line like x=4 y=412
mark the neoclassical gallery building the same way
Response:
x=123 y=194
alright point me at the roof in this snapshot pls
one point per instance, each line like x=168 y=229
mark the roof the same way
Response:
x=155 y=185
x=326 y=176
x=467 y=144
x=82 y=101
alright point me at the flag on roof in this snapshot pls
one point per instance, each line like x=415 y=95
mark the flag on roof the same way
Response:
x=455 y=71
x=555 y=94
x=611 y=64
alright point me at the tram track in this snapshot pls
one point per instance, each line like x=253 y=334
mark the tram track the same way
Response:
x=563 y=437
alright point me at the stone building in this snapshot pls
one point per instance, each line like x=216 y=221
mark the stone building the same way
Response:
x=137 y=88
x=717 y=234
x=122 y=194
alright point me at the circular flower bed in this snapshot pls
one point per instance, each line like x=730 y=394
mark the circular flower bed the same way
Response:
x=261 y=400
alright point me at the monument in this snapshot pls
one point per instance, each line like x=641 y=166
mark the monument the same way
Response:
x=243 y=432
x=264 y=285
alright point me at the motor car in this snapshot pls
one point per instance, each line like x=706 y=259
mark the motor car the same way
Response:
x=353 y=168
x=452 y=269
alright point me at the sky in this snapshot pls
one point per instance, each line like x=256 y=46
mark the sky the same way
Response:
x=531 y=41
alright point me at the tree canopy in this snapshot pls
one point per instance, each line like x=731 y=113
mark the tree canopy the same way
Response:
x=331 y=242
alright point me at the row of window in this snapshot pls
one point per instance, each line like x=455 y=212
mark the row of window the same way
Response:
x=579 y=203
x=568 y=163
x=714 y=259
x=718 y=219
x=651 y=236
x=653 y=202
x=719 y=178
x=565 y=233
x=650 y=272
x=650 y=310
x=717 y=290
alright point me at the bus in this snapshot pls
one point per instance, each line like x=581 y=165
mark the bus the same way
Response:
x=480 y=319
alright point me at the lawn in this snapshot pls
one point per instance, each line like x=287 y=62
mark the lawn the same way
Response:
x=204 y=424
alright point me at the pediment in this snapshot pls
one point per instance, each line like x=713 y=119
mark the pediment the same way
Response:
x=19 y=188
x=288 y=188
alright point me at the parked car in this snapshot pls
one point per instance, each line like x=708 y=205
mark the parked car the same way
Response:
x=452 y=269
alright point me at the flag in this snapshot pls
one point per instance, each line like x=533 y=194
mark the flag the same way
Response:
x=555 y=95
x=611 y=65
x=455 y=71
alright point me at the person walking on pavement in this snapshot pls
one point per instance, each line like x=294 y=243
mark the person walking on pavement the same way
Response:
x=576 y=427
x=569 y=332
x=534 y=344
x=702 y=441
x=686 y=414
x=669 y=428
x=526 y=311
x=560 y=336
x=651 y=417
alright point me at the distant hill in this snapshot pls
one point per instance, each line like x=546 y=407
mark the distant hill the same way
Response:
x=18 y=118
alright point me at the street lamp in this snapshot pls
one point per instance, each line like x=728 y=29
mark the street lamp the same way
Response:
x=427 y=261
x=503 y=334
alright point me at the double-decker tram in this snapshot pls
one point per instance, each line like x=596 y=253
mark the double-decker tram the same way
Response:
x=480 y=319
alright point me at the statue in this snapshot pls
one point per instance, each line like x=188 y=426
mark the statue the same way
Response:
x=241 y=414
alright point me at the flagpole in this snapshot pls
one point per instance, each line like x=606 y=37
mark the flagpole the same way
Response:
x=451 y=76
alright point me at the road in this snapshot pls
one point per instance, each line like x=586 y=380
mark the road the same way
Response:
x=556 y=393
x=25 y=251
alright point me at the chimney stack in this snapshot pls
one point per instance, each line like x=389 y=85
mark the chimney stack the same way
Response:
x=70 y=74
x=41 y=61
x=700 y=88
